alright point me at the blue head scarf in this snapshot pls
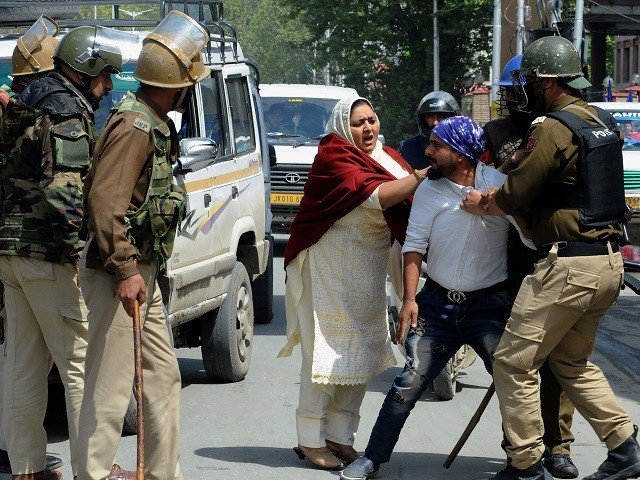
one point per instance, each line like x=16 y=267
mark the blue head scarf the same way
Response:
x=463 y=135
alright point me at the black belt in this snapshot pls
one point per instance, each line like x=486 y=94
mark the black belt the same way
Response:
x=579 y=249
x=458 y=297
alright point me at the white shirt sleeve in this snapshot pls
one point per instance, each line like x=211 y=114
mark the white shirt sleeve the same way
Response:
x=374 y=199
x=524 y=239
x=423 y=211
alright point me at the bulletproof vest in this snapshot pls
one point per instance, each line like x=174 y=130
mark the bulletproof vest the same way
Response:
x=598 y=193
x=152 y=227
x=32 y=141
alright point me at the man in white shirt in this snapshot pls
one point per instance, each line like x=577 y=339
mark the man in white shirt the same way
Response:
x=464 y=300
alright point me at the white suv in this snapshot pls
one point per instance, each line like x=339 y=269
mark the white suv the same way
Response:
x=295 y=116
x=220 y=277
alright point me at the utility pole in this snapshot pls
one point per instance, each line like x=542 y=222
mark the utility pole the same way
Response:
x=578 y=26
x=520 y=28
x=436 y=49
x=497 y=37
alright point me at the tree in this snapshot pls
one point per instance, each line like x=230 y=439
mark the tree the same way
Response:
x=384 y=50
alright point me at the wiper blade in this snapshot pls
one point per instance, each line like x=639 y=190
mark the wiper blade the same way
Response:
x=283 y=135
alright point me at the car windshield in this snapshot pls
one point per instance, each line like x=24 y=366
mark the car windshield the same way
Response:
x=296 y=120
x=629 y=123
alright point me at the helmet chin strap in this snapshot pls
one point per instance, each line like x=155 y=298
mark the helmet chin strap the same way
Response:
x=181 y=96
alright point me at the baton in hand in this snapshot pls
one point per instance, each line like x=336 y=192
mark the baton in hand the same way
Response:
x=139 y=386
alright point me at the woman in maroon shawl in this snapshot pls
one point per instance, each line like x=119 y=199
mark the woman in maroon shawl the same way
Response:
x=356 y=200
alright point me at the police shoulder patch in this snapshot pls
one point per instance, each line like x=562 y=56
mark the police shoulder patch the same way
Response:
x=531 y=144
x=538 y=120
x=141 y=124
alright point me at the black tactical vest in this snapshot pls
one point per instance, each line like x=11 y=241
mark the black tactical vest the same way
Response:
x=598 y=194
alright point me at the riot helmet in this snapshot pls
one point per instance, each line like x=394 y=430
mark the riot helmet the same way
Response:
x=435 y=103
x=89 y=50
x=171 y=55
x=547 y=57
x=34 y=50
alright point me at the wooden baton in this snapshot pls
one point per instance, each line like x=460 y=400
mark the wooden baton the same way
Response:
x=472 y=424
x=139 y=387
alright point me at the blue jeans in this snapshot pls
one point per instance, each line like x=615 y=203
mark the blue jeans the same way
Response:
x=443 y=328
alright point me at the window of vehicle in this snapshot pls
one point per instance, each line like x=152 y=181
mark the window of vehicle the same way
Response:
x=241 y=116
x=214 y=119
x=629 y=123
x=296 y=120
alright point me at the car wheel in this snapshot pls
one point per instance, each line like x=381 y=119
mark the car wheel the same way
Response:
x=263 y=292
x=444 y=384
x=64 y=10
x=227 y=334
x=131 y=417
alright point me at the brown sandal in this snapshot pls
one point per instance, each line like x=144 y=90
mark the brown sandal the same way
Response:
x=346 y=453
x=320 y=457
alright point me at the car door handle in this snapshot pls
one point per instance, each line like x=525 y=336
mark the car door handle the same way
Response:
x=207 y=199
x=234 y=192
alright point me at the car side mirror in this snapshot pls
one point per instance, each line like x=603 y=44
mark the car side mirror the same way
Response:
x=272 y=156
x=196 y=153
x=381 y=138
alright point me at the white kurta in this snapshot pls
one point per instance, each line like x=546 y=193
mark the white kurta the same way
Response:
x=346 y=298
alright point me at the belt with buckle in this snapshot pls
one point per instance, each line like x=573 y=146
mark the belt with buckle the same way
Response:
x=579 y=249
x=458 y=297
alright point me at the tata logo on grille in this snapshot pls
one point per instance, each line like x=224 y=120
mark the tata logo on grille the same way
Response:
x=292 y=177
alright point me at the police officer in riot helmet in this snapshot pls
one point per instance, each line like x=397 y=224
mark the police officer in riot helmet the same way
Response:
x=133 y=210
x=570 y=182
x=432 y=109
x=47 y=142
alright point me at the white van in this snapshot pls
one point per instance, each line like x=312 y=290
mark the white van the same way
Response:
x=295 y=119
x=220 y=276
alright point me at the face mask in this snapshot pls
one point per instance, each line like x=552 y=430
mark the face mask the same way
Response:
x=535 y=96
x=520 y=119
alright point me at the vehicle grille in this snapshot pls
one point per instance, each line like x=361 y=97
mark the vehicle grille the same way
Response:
x=632 y=180
x=287 y=178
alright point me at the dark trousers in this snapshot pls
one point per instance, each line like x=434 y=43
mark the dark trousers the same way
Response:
x=443 y=328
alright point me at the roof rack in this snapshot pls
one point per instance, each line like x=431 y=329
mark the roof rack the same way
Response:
x=210 y=13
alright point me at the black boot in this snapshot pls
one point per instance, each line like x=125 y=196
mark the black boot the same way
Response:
x=622 y=462
x=534 y=472
x=559 y=466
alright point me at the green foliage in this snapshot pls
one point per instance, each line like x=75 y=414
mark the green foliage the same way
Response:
x=384 y=49
x=273 y=38
x=611 y=56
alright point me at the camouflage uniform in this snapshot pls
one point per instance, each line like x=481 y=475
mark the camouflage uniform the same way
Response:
x=47 y=139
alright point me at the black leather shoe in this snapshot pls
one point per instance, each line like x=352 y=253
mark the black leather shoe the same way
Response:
x=52 y=463
x=362 y=469
x=534 y=472
x=622 y=462
x=560 y=466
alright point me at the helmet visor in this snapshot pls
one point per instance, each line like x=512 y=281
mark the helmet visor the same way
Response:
x=183 y=36
x=33 y=37
x=519 y=94
x=110 y=43
x=42 y=28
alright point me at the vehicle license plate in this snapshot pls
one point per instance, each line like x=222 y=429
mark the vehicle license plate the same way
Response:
x=286 y=198
x=633 y=202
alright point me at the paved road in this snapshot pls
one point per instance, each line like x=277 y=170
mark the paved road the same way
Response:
x=245 y=431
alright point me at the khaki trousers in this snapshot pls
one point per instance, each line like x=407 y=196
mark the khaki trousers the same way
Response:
x=557 y=413
x=555 y=316
x=46 y=320
x=110 y=376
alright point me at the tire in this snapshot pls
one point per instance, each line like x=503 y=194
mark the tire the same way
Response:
x=444 y=384
x=263 y=292
x=227 y=333
x=131 y=417
x=64 y=9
